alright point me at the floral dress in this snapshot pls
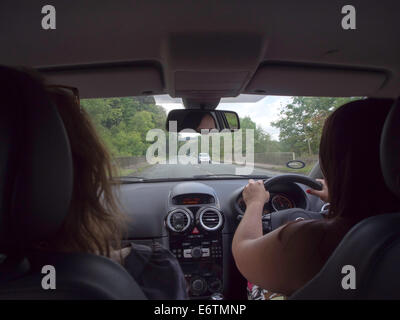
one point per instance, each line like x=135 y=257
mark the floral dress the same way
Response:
x=254 y=292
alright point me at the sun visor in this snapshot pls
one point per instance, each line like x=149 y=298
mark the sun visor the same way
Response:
x=315 y=81
x=103 y=82
x=211 y=84
x=211 y=65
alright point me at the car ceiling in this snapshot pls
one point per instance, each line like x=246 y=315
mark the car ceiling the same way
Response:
x=205 y=50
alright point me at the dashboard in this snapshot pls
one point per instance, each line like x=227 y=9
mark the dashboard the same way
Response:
x=282 y=197
x=196 y=221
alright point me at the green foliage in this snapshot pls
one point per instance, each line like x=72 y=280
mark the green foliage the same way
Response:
x=123 y=122
x=301 y=122
x=232 y=120
x=262 y=140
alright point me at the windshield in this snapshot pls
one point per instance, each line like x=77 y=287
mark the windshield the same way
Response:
x=274 y=130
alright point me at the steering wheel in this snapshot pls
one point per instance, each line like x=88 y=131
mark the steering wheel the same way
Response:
x=276 y=219
x=285 y=178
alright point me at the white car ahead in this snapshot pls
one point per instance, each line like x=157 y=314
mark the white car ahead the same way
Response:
x=204 y=157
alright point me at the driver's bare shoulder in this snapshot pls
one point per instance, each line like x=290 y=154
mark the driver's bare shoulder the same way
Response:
x=317 y=237
x=301 y=230
x=292 y=257
x=299 y=246
x=303 y=241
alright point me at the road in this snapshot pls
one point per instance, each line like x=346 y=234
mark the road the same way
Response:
x=169 y=171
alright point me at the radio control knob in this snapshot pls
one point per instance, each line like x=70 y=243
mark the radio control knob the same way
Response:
x=215 y=285
x=197 y=252
x=198 y=286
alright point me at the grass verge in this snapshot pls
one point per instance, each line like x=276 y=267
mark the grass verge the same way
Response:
x=127 y=172
x=304 y=170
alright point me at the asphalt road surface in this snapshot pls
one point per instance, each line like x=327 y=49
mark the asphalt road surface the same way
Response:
x=170 y=171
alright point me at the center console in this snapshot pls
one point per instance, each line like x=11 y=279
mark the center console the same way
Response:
x=195 y=223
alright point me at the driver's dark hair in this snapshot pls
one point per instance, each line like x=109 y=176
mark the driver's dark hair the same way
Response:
x=349 y=160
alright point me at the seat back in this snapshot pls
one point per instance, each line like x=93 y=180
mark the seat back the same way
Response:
x=372 y=246
x=36 y=181
x=78 y=276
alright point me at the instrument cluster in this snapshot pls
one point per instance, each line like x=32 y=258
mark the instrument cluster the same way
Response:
x=277 y=202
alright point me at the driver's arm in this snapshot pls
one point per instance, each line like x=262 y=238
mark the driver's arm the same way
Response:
x=281 y=261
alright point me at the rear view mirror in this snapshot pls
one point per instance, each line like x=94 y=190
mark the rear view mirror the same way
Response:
x=197 y=120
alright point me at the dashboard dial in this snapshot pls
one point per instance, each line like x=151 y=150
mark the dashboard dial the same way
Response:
x=277 y=202
x=242 y=205
x=281 y=202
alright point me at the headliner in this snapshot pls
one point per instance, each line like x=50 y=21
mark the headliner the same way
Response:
x=208 y=49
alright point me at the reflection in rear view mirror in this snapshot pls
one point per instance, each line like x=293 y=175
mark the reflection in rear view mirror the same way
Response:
x=232 y=119
x=198 y=120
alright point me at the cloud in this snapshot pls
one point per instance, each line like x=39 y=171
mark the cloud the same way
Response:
x=263 y=112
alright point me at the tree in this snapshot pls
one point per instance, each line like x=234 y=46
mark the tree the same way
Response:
x=302 y=120
x=124 y=122
x=262 y=140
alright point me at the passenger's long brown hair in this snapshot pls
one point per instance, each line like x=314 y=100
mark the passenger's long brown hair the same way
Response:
x=95 y=223
x=349 y=160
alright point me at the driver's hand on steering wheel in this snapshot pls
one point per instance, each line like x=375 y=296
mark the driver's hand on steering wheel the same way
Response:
x=323 y=194
x=255 y=192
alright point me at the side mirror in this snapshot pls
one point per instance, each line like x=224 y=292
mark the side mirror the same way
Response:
x=197 y=120
x=295 y=164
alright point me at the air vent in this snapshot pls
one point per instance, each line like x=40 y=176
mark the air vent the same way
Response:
x=178 y=220
x=210 y=219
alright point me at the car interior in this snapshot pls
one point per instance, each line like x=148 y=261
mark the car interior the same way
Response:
x=201 y=52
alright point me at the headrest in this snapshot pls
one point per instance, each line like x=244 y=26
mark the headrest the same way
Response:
x=35 y=163
x=390 y=149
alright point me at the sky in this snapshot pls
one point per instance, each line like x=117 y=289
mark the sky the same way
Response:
x=262 y=112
